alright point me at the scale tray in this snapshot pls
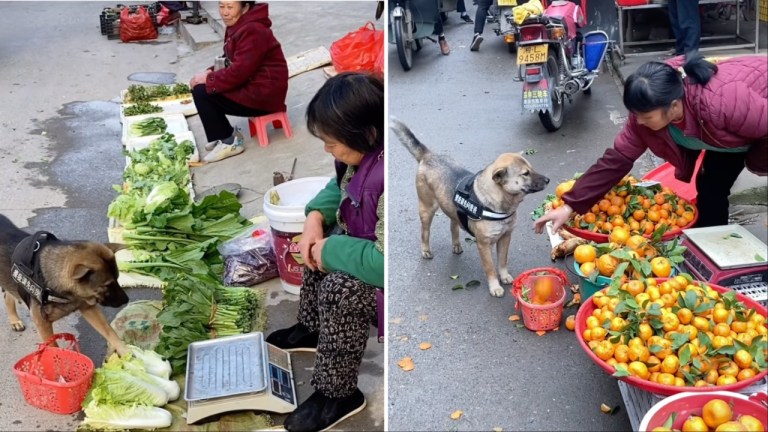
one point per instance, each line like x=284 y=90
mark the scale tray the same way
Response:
x=227 y=366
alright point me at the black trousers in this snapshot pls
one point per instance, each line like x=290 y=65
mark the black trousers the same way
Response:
x=213 y=110
x=481 y=14
x=718 y=173
x=686 y=24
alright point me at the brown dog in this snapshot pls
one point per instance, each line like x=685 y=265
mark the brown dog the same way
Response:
x=491 y=197
x=75 y=276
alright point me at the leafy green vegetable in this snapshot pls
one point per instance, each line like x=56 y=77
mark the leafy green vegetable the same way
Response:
x=149 y=126
x=141 y=108
x=113 y=386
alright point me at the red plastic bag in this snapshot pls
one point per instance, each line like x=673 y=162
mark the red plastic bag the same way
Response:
x=136 y=26
x=359 y=50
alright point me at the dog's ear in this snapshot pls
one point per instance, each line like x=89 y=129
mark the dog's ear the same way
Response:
x=499 y=175
x=79 y=271
x=114 y=247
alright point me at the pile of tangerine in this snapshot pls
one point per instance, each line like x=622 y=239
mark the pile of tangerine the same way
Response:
x=638 y=210
x=664 y=342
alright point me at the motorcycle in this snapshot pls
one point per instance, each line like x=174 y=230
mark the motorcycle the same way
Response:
x=413 y=22
x=556 y=61
x=503 y=23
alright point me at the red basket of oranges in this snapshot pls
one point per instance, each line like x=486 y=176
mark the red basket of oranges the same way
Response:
x=540 y=294
x=671 y=352
x=717 y=410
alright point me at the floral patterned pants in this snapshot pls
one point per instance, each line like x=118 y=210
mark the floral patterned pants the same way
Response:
x=342 y=309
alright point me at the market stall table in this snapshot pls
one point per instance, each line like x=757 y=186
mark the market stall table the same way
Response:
x=741 y=41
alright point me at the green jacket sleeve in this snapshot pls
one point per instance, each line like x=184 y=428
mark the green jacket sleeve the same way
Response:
x=358 y=257
x=326 y=201
x=363 y=259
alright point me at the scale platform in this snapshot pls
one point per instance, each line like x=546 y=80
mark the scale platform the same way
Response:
x=729 y=256
x=234 y=373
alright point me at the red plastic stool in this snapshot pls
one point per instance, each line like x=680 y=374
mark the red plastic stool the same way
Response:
x=258 y=126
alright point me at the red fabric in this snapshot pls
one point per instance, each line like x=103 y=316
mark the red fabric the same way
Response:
x=257 y=76
x=730 y=111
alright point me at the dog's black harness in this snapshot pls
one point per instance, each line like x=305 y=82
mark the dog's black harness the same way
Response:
x=27 y=273
x=469 y=206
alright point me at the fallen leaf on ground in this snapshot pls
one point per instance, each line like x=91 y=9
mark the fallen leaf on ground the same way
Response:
x=395 y=320
x=457 y=414
x=404 y=338
x=541 y=332
x=423 y=317
x=556 y=328
x=406 y=364
x=575 y=288
x=609 y=410
x=497 y=429
x=454 y=277
x=514 y=317
x=425 y=346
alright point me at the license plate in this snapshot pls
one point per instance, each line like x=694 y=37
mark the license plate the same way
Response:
x=507 y=2
x=532 y=54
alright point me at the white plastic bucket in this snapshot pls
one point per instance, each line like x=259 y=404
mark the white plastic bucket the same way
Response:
x=287 y=222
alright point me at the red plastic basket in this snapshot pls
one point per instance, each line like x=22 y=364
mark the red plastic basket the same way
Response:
x=585 y=311
x=687 y=404
x=55 y=379
x=541 y=317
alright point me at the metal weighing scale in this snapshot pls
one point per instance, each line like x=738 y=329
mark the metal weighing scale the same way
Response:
x=729 y=256
x=238 y=373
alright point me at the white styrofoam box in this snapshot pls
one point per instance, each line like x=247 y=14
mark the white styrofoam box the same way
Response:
x=185 y=106
x=140 y=143
x=175 y=123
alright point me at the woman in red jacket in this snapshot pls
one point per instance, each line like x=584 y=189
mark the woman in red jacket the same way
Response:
x=253 y=83
x=676 y=112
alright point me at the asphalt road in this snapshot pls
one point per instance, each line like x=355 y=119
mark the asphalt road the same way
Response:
x=499 y=375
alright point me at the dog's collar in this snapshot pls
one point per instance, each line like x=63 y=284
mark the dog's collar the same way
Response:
x=469 y=205
x=27 y=273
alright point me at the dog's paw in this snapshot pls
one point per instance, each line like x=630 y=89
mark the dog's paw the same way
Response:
x=457 y=249
x=496 y=290
x=506 y=278
x=17 y=326
x=426 y=254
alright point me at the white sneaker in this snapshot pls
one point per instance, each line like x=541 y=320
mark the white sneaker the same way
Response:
x=223 y=151
x=238 y=140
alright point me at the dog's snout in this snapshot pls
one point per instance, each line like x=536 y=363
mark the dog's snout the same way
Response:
x=546 y=179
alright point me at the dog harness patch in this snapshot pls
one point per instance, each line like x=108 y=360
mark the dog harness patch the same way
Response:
x=27 y=273
x=469 y=206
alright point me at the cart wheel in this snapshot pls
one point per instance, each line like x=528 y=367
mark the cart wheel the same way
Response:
x=404 y=51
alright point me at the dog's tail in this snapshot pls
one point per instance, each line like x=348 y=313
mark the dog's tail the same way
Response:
x=408 y=139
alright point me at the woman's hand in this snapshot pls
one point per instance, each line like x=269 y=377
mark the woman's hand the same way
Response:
x=312 y=234
x=199 y=78
x=317 y=254
x=558 y=216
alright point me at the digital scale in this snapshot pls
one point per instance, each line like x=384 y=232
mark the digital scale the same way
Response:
x=729 y=256
x=240 y=372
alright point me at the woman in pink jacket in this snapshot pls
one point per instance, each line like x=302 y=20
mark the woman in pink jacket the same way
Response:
x=677 y=110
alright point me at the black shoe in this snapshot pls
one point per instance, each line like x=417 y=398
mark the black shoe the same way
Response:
x=320 y=413
x=477 y=39
x=295 y=338
x=467 y=19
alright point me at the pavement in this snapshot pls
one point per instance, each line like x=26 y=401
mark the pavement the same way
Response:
x=60 y=81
